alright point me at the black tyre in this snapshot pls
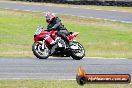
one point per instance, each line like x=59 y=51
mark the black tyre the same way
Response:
x=39 y=52
x=79 y=53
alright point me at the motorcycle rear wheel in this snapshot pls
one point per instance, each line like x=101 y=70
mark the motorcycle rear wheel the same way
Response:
x=77 y=54
x=39 y=52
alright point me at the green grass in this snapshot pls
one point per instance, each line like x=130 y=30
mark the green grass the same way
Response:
x=55 y=84
x=117 y=8
x=100 y=38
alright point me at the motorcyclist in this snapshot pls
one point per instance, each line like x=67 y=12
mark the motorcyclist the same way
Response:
x=55 y=23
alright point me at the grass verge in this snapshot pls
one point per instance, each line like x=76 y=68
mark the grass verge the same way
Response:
x=115 y=8
x=55 y=84
x=100 y=38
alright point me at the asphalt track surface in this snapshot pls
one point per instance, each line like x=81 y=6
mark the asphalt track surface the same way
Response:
x=58 y=68
x=100 y=14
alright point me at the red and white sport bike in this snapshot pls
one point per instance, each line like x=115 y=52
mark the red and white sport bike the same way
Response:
x=48 y=43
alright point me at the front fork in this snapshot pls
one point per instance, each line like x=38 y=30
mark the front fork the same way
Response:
x=43 y=44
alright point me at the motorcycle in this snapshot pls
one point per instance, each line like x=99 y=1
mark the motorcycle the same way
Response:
x=48 y=43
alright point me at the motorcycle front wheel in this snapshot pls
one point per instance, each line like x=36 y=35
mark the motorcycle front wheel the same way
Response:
x=78 y=53
x=39 y=52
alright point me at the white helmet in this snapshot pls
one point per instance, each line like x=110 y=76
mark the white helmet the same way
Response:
x=49 y=16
